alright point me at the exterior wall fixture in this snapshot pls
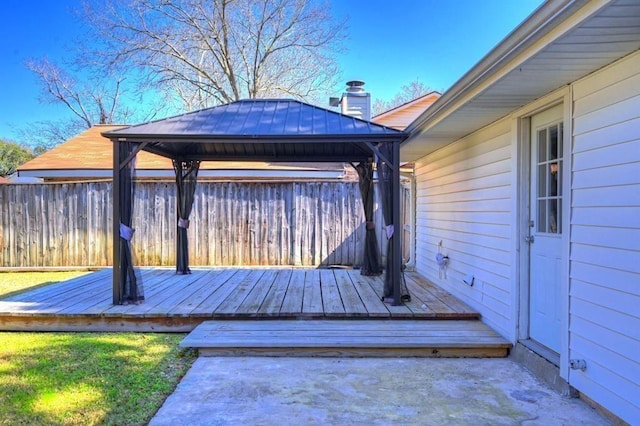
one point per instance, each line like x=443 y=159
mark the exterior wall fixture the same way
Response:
x=578 y=364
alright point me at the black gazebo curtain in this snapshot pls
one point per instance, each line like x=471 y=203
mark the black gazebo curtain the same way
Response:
x=132 y=291
x=371 y=256
x=186 y=179
x=385 y=184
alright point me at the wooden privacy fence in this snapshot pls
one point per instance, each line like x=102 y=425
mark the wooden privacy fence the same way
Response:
x=295 y=223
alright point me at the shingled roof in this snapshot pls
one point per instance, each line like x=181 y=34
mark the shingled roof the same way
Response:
x=90 y=155
x=401 y=116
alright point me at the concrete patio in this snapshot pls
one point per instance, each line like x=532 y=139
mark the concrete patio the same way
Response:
x=367 y=391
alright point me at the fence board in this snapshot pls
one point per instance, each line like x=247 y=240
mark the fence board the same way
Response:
x=232 y=223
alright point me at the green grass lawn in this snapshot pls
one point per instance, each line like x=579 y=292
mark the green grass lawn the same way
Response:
x=84 y=378
x=87 y=378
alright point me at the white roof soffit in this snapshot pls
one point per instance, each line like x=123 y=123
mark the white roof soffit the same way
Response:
x=561 y=42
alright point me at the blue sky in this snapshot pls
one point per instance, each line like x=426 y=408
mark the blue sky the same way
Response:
x=391 y=43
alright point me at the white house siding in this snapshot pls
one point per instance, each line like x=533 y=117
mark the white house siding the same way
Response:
x=464 y=197
x=605 y=237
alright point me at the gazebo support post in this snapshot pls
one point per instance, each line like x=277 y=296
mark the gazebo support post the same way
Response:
x=186 y=180
x=117 y=265
x=397 y=253
x=126 y=287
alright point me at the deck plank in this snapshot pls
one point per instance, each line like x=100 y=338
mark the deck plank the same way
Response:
x=158 y=284
x=273 y=303
x=252 y=303
x=148 y=275
x=192 y=304
x=350 y=297
x=452 y=303
x=60 y=301
x=231 y=304
x=41 y=293
x=180 y=302
x=100 y=295
x=322 y=337
x=312 y=302
x=331 y=300
x=56 y=293
x=292 y=305
x=401 y=311
x=215 y=299
x=374 y=306
x=427 y=298
x=424 y=305
x=179 y=289
x=186 y=285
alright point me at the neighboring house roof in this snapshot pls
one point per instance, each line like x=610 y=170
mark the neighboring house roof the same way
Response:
x=401 y=116
x=561 y=42
x=4 y=180
x=90 y=155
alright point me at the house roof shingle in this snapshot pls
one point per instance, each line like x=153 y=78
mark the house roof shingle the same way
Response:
x=403 y=115
x=91 y=151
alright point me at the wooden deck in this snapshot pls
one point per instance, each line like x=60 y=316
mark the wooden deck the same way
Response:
x=178 y=303
x=344 y=338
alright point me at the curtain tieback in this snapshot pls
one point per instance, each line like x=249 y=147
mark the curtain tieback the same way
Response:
x=126 y=232
x=371 y=225
x=389 y=229
x=183 y=223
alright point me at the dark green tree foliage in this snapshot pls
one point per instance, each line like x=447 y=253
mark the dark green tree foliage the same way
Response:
x=12 y=155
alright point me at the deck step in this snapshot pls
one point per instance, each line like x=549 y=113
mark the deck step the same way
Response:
x=350 y=338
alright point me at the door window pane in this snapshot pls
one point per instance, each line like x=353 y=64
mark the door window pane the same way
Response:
x=559 y=218
x=559 y=178
x=560 y=140
x=553 y=179
x=553 y=143
x=553 y=216
x=542 y=180
x=542 y=216
x=548 y=172
x=542 y=145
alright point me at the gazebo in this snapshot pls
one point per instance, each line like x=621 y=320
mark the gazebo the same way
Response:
x=274 y=130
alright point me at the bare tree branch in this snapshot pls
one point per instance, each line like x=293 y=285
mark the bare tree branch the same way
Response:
x=90 y=100
x=214 y=51
x=407 y=93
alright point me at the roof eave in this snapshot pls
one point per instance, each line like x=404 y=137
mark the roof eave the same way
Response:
x=396 y=136
x=532 y=62
x=534 y=28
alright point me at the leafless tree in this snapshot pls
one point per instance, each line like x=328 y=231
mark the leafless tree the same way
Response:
x=92 y=102
x=207 y=52
x=407 y=93
x=41 y=136
x=90 y=95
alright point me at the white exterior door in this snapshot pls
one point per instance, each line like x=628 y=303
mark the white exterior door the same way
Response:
x=546 y=227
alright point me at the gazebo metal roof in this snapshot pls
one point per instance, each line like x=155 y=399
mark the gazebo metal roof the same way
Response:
x=260 y=130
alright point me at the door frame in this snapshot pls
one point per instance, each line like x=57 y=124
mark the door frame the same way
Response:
x=522 y=164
